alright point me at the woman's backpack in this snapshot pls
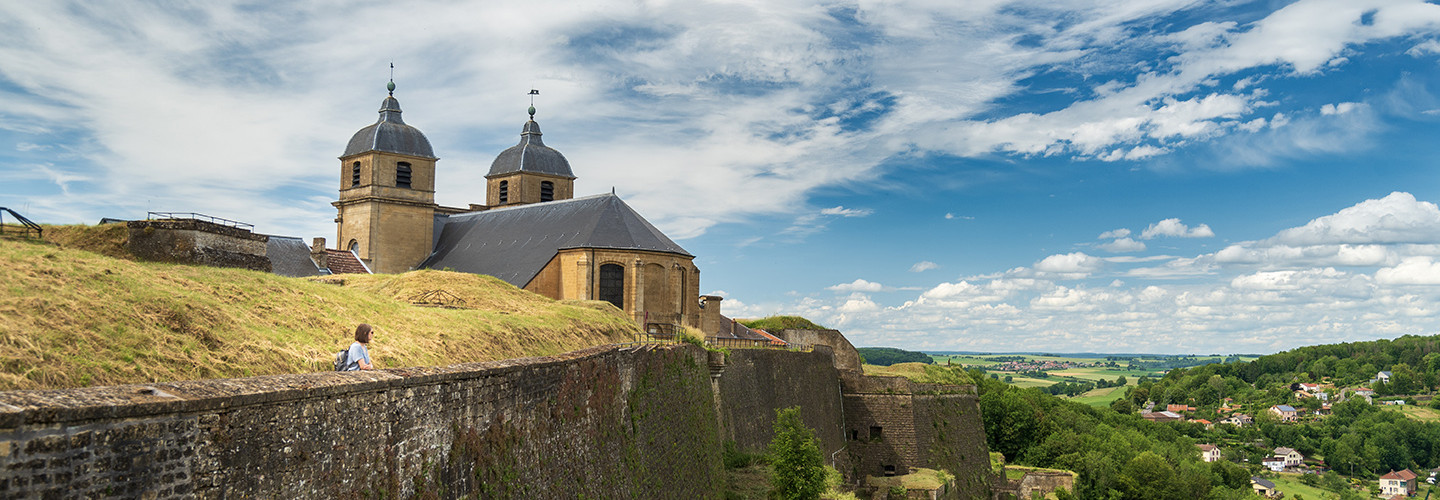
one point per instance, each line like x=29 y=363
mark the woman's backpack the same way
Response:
x=342 y=360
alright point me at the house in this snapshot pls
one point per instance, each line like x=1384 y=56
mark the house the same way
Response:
x=1310 y=388
x=1263 y=487
x=1209 y=452
x=1162 y=416
x=1275 y=464
x=1398 y=483
x=532 y=231
x=1238 y=420
x=1174 y=408
x=1365 y=392
x=1383 y=377
x=1208 y=424
x=1291 y=457
x=1286 y=413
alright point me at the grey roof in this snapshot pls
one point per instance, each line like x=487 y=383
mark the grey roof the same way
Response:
x=290 y=256
x=515 y=243
x=531 y=155
x=1262 y=482
x=390 y=135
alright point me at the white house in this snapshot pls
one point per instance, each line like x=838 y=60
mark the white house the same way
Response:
x=1209 y=452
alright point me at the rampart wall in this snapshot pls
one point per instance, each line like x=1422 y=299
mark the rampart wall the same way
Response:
x=600 y=423
x=191 y=241
x=758 y=381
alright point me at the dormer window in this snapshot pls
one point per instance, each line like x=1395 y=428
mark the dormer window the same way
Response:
x=547 y=191
x=402 y=175
x=504 y=192
x=355 y=174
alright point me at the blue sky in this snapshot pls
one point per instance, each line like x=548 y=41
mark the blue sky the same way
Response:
x=1158 y=176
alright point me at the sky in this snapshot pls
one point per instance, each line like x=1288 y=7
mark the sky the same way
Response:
x=1146 y=176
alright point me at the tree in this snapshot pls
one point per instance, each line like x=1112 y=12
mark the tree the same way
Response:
x=795 y=458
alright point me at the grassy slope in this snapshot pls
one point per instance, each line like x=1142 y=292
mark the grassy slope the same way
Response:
x=70 y=317
x=1420 y=413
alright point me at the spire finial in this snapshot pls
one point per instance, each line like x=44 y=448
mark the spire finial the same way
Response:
x=533 y=93
x=391 y=86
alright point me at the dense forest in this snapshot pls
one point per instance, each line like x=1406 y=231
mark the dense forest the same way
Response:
x=886 y=356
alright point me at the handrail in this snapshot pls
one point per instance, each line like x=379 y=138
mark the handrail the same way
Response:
x=26 y=224
x=199 y=217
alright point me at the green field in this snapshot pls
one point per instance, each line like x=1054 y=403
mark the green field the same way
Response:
x=1291 y=485
x=1100 y=397
x=1420 y=413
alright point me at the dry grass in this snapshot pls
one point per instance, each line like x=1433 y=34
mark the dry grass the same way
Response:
x=71 y=318
x=922 y=373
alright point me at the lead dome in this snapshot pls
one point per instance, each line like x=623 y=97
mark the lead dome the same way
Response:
x=390 y=134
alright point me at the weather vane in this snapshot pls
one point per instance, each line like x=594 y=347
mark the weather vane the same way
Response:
x=391 y=86
x=532 y=94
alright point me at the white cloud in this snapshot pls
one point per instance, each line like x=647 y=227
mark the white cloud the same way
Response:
x=949 y=216
x=923 y=266
x=847 y=212
x=1174 y=228
x=1115 y=233
x=1411 y=271
x=1123 y=245
x=859 y=285
x=1396 y=218
x=1071 y=265
x=1339 y=109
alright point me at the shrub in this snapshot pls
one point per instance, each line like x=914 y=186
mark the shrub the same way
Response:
x=795 y=458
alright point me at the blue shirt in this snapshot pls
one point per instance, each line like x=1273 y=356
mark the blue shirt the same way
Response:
x=357 y=353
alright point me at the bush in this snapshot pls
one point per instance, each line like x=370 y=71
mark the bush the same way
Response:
x=736 y=459
x=799 y=470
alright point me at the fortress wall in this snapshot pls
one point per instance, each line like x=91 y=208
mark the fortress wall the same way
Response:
x=602 y=423
x=846 y=357
x=756 y=382
x=191 y=241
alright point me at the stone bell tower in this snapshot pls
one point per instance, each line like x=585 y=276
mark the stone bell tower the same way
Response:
x=387 y=193
x=529 y=172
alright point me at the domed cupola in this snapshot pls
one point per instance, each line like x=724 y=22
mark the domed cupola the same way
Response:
x=529 y=172
x=390 y=134
x=531 y=155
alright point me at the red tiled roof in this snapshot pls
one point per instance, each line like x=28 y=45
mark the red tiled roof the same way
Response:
x=1206 y=447
x=344 y=262
x=773 y=339
x=1404 y=475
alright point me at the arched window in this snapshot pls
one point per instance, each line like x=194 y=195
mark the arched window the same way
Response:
x=547 y=191
x=612 y=284
x=504 y=192
x=355 y=174
x=354 y=246
x=402 y=175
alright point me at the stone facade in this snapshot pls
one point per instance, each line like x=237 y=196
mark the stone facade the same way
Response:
x=525 y=187
x=198 y=242
x=659 y=287
x=390 y=225
x=846 y=357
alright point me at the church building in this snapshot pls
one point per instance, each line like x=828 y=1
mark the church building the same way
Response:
x=531 y=231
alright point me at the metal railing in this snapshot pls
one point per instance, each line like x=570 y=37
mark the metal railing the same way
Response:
x=730 y=343
x=25 y=228
x=199 y=217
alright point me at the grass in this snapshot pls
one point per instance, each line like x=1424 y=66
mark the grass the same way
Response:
x=1416 y=412
x=922 y=373
x=1291 y=485
x=777 y=323
x=71 y=317
x=922 y=478
x=1100 y=397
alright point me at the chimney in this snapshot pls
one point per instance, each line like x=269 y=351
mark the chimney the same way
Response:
x=317 y=253
x=710 y=314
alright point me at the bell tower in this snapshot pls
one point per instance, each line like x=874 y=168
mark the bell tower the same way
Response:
x=529 y=172
x=386 y=211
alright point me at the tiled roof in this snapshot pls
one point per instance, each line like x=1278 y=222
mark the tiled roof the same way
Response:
x=344 y=262
x=290 y=257
x=1284 y=408
x=1404 y=475
x=1262 y=482
x=773 y=339
x=1206 y=447
x=1284 y=451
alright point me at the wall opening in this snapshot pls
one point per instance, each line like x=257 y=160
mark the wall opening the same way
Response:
x=612 y=284
x=504 y=192
x=547 y=191
x=355 y=174
x=889 y=470
x=875 y=433
x=402 y=175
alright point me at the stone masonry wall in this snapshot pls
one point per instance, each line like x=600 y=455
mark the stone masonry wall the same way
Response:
x=919 y=425
x=601 y=423
x=190 y=241
x=756 y=382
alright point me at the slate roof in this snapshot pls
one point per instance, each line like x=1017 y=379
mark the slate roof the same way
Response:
x=290 y=257
x=344 y=262
x=390 y=134
x=515 y=243
x=531 y=155
x=1285 y=408
x=1262 y=482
